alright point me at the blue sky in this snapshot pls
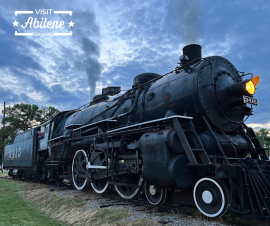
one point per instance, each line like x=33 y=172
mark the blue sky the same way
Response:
x=114 y=40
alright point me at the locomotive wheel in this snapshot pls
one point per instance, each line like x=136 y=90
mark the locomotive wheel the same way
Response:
x=100 y=186
x=79 y=168
x=130 y=192
x=155 y=195
x=211 y=197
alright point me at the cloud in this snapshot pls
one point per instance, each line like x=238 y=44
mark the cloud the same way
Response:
x=14 y=52
x=258 y=126
x=116 y=40
x=39 y=66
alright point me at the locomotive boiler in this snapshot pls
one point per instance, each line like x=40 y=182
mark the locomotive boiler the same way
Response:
x=179 y=137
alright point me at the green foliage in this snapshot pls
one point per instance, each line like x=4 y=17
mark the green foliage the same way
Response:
x=47 y=113
x=7 y=136
x=264 y=139
x=25 y=116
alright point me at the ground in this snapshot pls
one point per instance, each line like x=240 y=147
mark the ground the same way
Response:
x=48 y=204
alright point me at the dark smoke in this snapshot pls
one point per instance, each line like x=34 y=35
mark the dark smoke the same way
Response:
x=91 y=64
x=186 y=17
x=93 y=71
x=87 y=34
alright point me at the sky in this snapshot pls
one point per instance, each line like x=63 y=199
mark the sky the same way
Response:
x=114 y=40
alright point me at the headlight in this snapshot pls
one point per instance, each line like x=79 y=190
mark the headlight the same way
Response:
x=250 y=87
x=246 y=87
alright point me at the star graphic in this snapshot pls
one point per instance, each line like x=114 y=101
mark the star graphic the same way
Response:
x=15 y=23
x=71 y=24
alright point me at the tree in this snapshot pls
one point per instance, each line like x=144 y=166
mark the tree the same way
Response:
x=25 y=116
x=7 y=136
x=264 y=139
x=47 y=113
x=22 y=117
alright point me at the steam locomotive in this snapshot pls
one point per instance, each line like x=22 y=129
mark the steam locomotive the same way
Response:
x=179 y=138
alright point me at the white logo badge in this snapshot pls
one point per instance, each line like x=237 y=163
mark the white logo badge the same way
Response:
x=44 y=23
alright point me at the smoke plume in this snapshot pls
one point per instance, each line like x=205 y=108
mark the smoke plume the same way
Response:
x=91 y=64
x=88 y=61
x=186 y=18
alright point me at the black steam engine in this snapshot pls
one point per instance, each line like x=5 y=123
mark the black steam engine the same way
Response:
x=179 y=137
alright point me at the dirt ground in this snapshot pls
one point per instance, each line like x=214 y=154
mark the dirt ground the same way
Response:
x=87 y=208
x=75 y=207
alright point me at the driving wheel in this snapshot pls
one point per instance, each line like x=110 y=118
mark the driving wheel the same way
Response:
x=130 y=192
x=79 y=170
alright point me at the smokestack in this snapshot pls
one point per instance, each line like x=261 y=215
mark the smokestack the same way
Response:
x=192 y=51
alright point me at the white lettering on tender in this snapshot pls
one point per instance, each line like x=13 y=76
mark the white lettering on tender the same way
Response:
x=17 y=153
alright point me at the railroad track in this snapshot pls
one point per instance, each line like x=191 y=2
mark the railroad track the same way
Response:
x=117 y=200
x=142 y=202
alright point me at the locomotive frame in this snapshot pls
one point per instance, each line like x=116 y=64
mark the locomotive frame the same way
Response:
x=179 y=138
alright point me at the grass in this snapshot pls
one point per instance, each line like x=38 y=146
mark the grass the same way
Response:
x=56 y=202
x=26 y=203
x=141 y=222
x=16 y=211
x=109 y=216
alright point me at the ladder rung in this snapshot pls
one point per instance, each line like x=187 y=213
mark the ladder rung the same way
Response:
x=183 y=134
x=197 y=149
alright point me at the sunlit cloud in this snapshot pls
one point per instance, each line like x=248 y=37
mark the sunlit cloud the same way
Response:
x=258 y=126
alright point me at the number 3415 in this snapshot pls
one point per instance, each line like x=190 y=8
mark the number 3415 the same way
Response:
x=15 y=153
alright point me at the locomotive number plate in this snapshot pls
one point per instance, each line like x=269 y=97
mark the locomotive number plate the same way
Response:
x=250 y=100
